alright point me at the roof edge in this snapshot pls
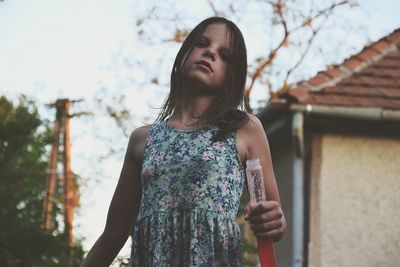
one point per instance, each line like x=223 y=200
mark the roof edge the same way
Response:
x=376 y=114
x=353 y=64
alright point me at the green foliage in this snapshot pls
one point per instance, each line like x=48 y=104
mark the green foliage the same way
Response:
x=121 y=261
x=23 y=164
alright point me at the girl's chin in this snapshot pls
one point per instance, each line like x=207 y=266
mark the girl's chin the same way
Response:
x=196 y=80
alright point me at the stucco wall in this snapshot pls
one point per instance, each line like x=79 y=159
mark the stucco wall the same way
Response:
x=359 y=201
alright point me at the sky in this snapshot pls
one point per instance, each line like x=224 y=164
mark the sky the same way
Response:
x=55 y=49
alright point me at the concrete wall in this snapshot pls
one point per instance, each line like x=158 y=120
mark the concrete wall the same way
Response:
x=359 y=202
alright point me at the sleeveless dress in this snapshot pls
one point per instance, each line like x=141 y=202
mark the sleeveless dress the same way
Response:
x=191 y=189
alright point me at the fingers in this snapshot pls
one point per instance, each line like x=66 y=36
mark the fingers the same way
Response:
x=266 y=227
x=266 y=219
x=264 y=206
x=253 y=209
x=273 y=229
x=248 y=209
x=268 y=216
x=274 y=234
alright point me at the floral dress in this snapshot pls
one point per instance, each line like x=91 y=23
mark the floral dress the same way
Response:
x=191 y=189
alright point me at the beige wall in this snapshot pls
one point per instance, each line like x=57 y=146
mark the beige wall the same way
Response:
x=359 y=202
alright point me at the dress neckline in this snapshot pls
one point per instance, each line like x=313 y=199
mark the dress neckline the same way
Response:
x=189 y=130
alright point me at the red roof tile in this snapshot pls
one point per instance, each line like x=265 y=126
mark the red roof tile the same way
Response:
x=382 y=45
x=334 y=72
x=361 y=91
x=319 y=79
x=370 y=78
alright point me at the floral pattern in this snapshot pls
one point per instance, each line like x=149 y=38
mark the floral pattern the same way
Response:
x=191 y=193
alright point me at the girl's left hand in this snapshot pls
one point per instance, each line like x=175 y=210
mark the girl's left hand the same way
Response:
x=266 y=219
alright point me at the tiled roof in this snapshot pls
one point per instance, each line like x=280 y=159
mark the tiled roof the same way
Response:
x=370 y=78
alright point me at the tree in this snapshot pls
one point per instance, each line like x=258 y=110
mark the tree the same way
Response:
x=23 y=165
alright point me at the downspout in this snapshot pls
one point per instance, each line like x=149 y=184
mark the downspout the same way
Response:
x=298 y=185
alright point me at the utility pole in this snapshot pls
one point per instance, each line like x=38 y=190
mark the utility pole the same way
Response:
x=52 y=173
x=67 y=183
x=70 y=189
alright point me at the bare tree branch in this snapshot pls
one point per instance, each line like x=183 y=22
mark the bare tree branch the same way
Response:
x=278 y=9
x=216 y=12
x=284 y=86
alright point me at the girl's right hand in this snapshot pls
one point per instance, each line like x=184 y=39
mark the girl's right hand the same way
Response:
x=266 y=219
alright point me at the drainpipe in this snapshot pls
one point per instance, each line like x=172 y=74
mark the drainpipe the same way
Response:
x=298 y=185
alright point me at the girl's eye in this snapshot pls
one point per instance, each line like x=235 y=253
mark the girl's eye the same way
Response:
x=226 y=56
x=201 y=44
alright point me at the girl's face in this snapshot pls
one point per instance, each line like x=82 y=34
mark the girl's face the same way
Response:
x=207 y=64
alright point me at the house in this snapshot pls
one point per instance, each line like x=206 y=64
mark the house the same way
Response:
x=335 y=144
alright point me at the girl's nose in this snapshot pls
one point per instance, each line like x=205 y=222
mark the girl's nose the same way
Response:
x=211 y=53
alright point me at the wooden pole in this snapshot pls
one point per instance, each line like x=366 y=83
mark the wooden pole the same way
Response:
x=70 y=198
x=69 y=184
x=51 y=174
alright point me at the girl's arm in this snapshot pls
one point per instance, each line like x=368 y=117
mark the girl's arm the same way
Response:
x=123 y=209
x=266 y=218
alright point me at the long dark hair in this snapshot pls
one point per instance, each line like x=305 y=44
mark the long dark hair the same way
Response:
x=226 y=110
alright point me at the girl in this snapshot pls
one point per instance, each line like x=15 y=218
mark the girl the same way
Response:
x=183 y=176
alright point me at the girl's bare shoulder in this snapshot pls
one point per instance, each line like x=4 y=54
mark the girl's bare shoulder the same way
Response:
x=253 y=125
x=139 y=134
x=137 y=141
x=249 y=135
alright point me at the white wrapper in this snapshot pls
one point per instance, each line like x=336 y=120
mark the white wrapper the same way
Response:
x=255 y=180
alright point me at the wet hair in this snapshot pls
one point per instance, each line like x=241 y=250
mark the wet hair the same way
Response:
x=226 y=110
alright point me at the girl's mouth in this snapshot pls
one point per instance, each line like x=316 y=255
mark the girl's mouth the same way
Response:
x=204 y=63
